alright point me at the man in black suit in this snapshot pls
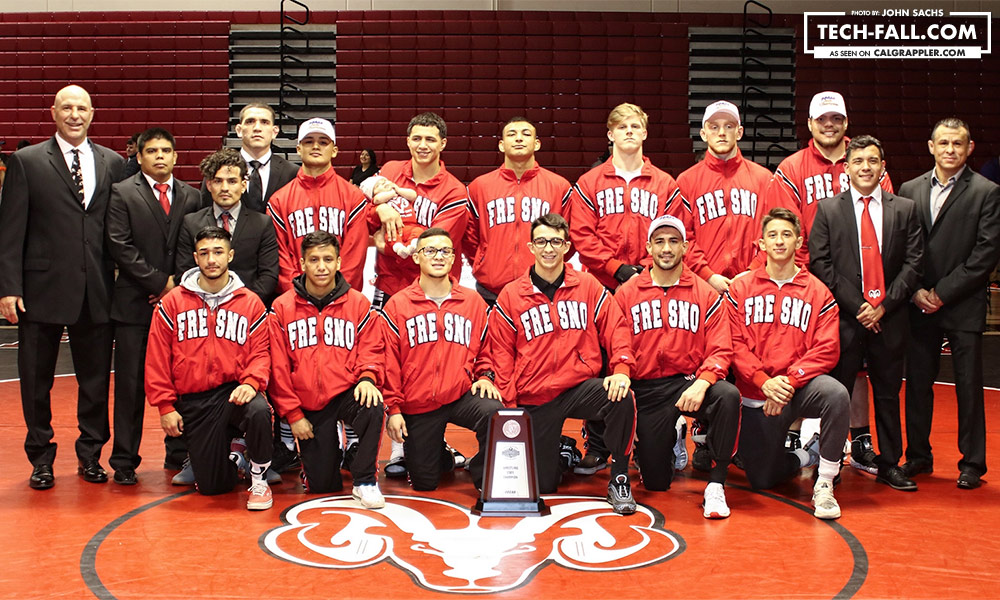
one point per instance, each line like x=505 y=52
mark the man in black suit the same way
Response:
x=144 y=219
x=866 y=246
x=55 y=273
x=959 y=213
x=268 y=172
x=255 y=246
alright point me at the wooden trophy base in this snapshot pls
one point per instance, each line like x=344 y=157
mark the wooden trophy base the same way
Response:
x=510 y=482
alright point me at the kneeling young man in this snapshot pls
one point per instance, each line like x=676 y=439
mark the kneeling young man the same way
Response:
x=206 y=365
x=547 y=330
x=437 y=368
x=785 y=341
x=325 y=365
x=683 y=348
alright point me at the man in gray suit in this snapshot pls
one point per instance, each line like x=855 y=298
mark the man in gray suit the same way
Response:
x=268 y=172
x=960 y=216
x=144 y=218
x=54 y=273
x=866 y=246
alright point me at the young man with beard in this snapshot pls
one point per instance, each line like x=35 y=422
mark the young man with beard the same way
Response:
x=547 y=330
x=326 y=365
x=785 y=340
x=683 y=348
x=503 y=204
x=438 y=369
x=206 y=368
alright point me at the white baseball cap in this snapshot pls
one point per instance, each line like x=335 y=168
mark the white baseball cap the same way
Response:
x=317 y=125
x=827 y=102
x=721 y=106
x=667 y=221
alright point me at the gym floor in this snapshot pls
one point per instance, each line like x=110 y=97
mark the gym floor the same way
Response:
x=81 y=540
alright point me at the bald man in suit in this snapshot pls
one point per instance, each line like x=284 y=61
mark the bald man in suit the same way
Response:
x=55 y=273
x=144 y=219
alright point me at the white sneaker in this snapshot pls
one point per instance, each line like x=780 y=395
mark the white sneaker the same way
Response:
x=369 y=496
x=680 y=446
x=715 y=502
x=826 y=505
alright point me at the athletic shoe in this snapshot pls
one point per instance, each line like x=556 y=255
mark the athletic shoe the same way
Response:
x=620 y=495
x=591 y=464
x=715 y=502
x=812 y=447
x=369 y=496
x=260 y=496
x=238 y=454
x=348 y=458
x=272 y=476
x=186 y=474
x=285 y=460
x=863 y=454
x=793 y=441
x=569 y=456
x=680 y=447
x=826 y=505
x=457 y=456
x=396 y=467
x=701 y=459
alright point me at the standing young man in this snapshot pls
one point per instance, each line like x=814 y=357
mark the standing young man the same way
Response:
x=867 y=247
x=319 y=199
x=438 y=369
x=785 y=340
x=546 y=334
x=503 y=204
x=143 y=222
x=960 y=217
x=326 y=364
x=683 y=347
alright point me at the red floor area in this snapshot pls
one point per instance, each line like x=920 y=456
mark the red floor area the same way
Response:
x=81 y=540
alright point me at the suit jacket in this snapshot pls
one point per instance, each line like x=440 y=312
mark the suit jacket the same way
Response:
x=961 y=248
x=143 y=241
x=282 y=172
x=835 y=258
x=52 y=251
x=255 y=249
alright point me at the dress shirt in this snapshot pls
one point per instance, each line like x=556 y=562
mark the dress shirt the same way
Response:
x=86 y=166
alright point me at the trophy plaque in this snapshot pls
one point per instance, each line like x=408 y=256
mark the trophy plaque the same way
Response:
x=510 y=481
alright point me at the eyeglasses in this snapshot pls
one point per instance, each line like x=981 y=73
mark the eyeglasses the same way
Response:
x=556 y=243
x=431 y=252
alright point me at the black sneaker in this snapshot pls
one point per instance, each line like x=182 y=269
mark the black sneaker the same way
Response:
x=569 y=456
x=793 y=441
x=620 y=495
x=349 y=454
x=701 y=458
x=284 y=460
x=863 y=454
x=591 y=464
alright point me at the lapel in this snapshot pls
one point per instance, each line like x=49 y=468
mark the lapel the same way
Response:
x=181 y=191
x=922 y=196
x=241 y=223
x=101 y=173
x=152 y=202
x=960 y=186
x=851 y=222
x=888 y=220
x=58 y=163
x=271 y=180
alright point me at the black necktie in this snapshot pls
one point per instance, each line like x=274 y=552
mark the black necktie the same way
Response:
x=255 y=193
x=77 y=173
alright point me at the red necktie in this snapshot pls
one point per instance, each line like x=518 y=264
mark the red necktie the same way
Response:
x=164 y=199
x=873 y=279
x=225 y=216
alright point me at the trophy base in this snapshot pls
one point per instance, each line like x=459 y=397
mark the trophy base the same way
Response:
x=511 y=508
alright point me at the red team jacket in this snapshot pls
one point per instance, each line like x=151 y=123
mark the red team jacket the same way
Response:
x=432 y=354
x=679 y=330
x=727 y=200
x=328 y=203
x=802 y=180
x=193 y=348
x=610 y=218
x=792 y=330
x=541 y=348
x=441 y=201
x=502 y=209
x=317 y=355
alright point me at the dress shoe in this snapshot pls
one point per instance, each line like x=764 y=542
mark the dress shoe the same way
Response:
x=894 y=478
x=92 y=471
x=916 y=467
x=126 y=477
x=41 y=477
x=967 y=480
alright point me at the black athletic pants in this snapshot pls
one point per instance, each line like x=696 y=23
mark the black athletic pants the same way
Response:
x=321 y=455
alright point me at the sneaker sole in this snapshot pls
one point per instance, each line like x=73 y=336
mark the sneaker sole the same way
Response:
x=826 y=516
x=590 y=470
x=871 y=470
x=715 y=515
x=362 y=502
x=260 y=505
